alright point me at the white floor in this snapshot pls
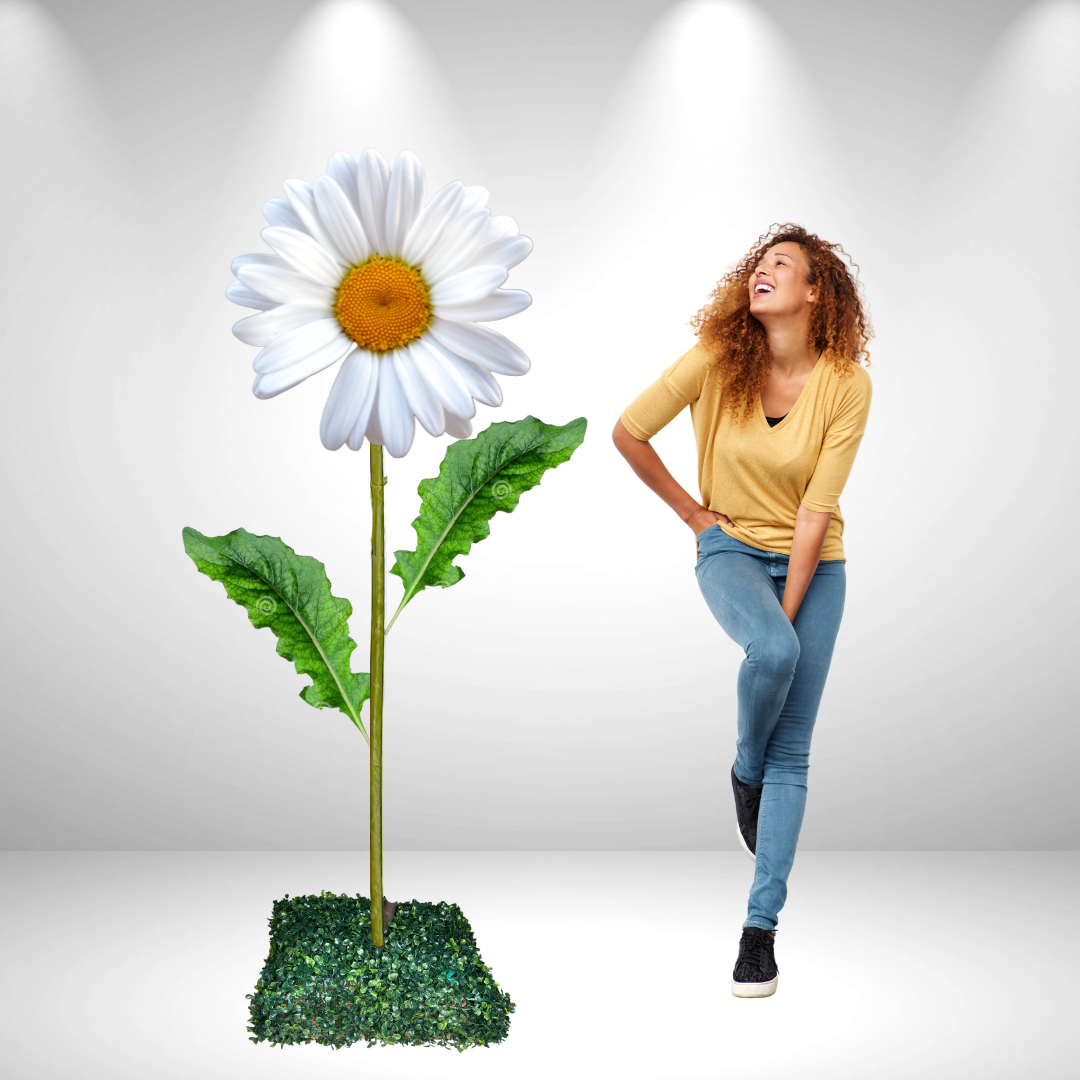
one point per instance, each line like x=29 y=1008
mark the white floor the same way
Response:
x=894 y=964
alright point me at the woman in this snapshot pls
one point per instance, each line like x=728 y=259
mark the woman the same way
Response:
x=781 y=338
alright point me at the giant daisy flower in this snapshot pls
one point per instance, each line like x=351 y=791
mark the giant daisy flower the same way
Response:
x=365 y=273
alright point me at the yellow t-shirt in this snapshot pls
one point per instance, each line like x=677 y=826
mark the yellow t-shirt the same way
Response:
x=755 y=474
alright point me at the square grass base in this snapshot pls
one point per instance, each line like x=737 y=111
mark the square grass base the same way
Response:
x=325 y=982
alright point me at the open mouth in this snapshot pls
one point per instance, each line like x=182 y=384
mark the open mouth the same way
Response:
x=762 y=288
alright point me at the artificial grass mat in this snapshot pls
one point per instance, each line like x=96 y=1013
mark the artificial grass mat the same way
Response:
x=325 y=982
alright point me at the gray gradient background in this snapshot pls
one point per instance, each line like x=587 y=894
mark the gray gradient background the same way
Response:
x=573 y=691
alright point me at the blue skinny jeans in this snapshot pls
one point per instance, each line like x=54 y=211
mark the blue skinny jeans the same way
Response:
x=779 y=689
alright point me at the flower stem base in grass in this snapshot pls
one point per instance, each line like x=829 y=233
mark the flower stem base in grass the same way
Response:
x=324 y=980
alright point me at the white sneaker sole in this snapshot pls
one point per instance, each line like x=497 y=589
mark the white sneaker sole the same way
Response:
x=748 y=990
x=743 y=845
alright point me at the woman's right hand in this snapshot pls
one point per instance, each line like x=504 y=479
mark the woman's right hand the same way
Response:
x=703 y=519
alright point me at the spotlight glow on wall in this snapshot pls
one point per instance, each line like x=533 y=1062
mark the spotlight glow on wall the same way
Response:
x=354 y=73
x=712 y=138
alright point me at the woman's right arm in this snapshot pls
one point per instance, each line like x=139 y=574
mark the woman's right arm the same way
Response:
x=645 y=461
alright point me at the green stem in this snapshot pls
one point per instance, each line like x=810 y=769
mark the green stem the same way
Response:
x=378 y=603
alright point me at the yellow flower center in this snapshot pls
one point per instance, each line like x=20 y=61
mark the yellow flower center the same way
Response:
x=383 y=304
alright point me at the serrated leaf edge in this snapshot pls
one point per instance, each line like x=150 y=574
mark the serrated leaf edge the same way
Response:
x=352 y=714
x=411 y=592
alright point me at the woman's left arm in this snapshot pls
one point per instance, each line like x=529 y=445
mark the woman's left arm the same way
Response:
x=806 y=545
x=822 y=494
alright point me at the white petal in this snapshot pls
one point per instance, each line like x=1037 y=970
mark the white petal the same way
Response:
x=261 y=329
x=472 y=284
x=272 y=383
x=372 y=177
x=481 y=345
x=395 y=417
x=339 y=214
x=353 y=388
x=292 y=346
x=371 y=429
x=341 y=168
x=463 y=236
x=283 y=286
x=507 y=251
x=259 y=257
x=240 y=294
x=302 y=198
x=367 y=420
x=305 y=255
x=502 y=226
x=481 y=383
x=404 y=197
x=443 y=207
x=500 y=304
x=475 y=197
x=456 y=426
x=440 y=374
x=280 y=212
x=421 y=398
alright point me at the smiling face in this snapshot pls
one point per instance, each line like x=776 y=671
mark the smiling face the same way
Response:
x=779 y=286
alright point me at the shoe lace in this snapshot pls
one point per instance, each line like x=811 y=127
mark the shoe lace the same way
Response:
x=754 y=950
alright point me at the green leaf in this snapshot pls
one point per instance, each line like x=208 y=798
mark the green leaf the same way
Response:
x=290 y=594
x=477 y=477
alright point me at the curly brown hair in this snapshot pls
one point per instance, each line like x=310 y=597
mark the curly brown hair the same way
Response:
x=839 y=322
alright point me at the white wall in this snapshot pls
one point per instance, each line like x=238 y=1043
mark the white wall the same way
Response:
x=573 y=691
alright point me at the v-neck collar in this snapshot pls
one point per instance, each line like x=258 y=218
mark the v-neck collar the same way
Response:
x=760 y=409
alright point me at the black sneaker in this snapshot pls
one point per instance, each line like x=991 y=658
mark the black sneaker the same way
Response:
x=755 y=972
x=747 y=804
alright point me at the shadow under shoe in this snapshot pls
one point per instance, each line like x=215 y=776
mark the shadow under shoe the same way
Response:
x=747 y=805
x=756 y=973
